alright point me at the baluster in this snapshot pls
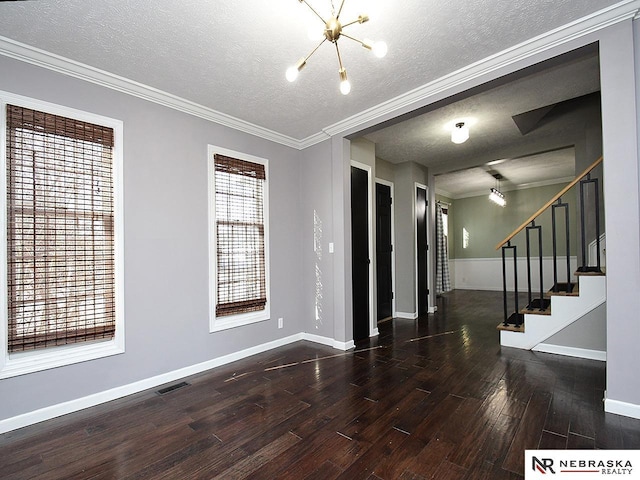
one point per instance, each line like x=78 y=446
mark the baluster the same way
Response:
x=539 y=303
x=516 y=318
x=504 y=283
x=585 y=268
x=554 y=230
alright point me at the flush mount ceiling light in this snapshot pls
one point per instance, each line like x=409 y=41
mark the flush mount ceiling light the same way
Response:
x=333 y=30
x=496 y=196
x=460 y=133
x=459 y=127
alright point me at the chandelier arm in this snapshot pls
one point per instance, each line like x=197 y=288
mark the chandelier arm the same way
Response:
x=313 y=10
x=340 y=10
x=339 y=57
x=344 y=25
x=314 y=50
x=361 y=42
x=360 y=19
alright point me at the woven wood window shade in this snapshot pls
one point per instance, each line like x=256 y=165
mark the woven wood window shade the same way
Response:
x=60 y=240
x=241 y=283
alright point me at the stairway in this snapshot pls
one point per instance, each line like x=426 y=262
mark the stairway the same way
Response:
x=564 y=310
x=568 y=302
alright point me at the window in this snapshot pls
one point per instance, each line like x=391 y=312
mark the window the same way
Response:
x=61 y=300
x=239 y=283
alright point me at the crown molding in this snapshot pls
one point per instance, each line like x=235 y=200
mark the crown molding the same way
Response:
x=313 y=140
x=625 y=10
x=41 y=58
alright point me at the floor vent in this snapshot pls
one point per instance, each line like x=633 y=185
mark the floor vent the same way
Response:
x=171 y=388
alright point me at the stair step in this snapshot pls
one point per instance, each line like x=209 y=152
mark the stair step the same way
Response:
x=591 y=272
x=536 y=311
x=538 y=306
x=511 y=328
x=562 y=291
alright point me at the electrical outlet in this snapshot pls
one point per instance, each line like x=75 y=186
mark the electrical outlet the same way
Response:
x=280 y=322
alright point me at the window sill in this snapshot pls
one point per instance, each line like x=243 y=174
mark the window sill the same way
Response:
x=218 y=324
x=16 y=364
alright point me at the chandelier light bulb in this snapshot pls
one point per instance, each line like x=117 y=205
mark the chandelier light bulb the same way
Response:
x=292 y=73
x=345 y=84
x=345 y=87
x=460 y=133
x=380 y=49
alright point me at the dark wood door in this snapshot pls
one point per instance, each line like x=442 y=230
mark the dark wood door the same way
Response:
x=422 y=250
x=360 y=252
x=383 y=251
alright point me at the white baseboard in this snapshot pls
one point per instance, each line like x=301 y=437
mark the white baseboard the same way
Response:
x=350 y=345
x=318 y=339
x=433 y=309
x=407 y=315
x=621 y=408
x=344 y=346
x=571 y=351
x=71 y=406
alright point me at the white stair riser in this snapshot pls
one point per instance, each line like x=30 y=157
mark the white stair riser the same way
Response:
x=564 y=311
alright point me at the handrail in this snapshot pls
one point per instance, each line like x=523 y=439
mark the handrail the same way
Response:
x=549 y=203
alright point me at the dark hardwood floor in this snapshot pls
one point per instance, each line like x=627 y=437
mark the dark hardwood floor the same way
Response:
x=432 y=398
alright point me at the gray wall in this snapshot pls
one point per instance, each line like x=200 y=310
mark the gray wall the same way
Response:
x=406 y=175
x=165 y=242
x=619 y=70
x=317 y=228
x=488 y=224
x=385 y=170
x=589 y=332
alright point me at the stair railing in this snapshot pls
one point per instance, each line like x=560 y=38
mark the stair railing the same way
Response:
x=541 y=304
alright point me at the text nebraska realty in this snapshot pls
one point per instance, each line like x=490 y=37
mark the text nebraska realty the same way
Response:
x=607 y=467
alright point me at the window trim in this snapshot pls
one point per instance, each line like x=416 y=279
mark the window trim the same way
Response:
x=225 y=322
x=20 y=363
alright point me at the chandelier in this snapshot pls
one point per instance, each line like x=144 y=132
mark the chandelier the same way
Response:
x=496 y=196
x=333 y=30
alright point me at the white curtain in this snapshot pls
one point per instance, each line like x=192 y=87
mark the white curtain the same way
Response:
x=443 y=281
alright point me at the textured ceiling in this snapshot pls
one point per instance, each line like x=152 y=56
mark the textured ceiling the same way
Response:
x=425 y=138
x=524 y=172
x=551 y=100
x=231 y=55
